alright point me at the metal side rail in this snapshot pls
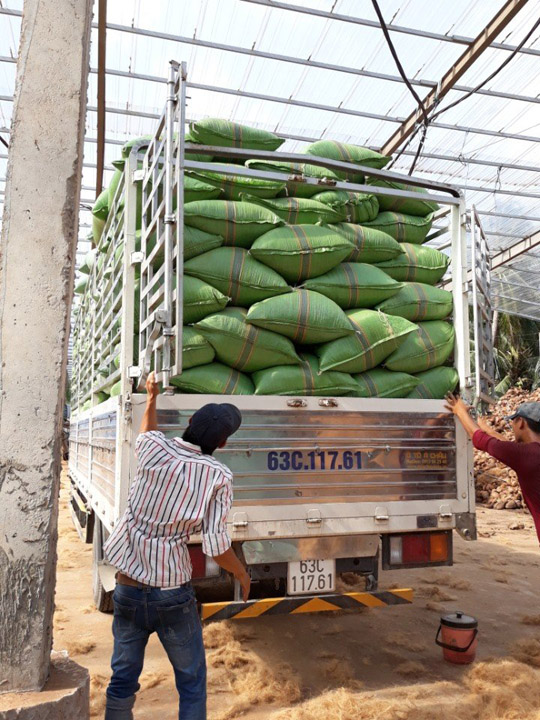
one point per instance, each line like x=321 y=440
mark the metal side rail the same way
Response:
x=237 y=610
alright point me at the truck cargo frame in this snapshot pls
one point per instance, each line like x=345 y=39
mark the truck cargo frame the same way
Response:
x=413 y=470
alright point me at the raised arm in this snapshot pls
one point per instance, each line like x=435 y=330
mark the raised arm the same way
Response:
x=149 y=420
x=215 y=538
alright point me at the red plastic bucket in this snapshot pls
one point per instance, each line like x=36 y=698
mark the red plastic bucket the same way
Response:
x=458 y=638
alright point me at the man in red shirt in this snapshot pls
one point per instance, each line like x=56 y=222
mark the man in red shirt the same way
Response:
x=523 y=455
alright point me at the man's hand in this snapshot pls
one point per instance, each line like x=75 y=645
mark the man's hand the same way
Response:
x=460 y=409
x=456 y=405
x=149 y=419
x=152 y=386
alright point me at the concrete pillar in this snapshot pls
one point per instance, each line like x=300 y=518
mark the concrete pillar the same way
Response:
x=38 y=245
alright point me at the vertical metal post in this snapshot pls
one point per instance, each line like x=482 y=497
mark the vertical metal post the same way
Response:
x=179 y=320
x=460 y=293
x=475 y=258
x=169 y=220
x=124 y=429
x=101 y=98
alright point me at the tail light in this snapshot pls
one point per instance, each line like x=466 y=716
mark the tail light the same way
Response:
x=417 y=549
x=203 y=565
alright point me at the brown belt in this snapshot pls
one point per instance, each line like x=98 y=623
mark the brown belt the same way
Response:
x=122 y=579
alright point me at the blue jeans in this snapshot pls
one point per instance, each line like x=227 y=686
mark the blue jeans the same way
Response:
x=173 y=615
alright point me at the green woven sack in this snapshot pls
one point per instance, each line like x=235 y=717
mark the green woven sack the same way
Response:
x=296 y=187
x=237 y=275
x=244 y=346
x=384 y=384
x=298 y=252
x=88 y=262
x=197 y=242
x=100 y=209
x=213 y=379
x=115 y=180
x=435 y=383
x=137 y=143
x=350 y=206
x=234 y=186
x=421 y=207
x=238 y=223
x=197 y=157
x=303 y=379
x=417 y=263
x=430 y=346
x=116 y=389
x=198 y=189
x=215 y=131
x=297 y=211
x=418 y=301
x=376 y=336
x=348 y=153
x=370 y=245
x=102 y=396
x=201 y=299
x=196 y=350
x=304 y=316
x=403 y=228
x=97 y=230
x=355 y=285
x=80 y=287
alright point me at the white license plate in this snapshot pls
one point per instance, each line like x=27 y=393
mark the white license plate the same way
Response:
x=310 y=577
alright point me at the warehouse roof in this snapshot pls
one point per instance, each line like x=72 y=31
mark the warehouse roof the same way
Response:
x=311 y=69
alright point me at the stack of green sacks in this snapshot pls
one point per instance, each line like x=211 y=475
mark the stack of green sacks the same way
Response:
x=312 y=291
x=298 y=289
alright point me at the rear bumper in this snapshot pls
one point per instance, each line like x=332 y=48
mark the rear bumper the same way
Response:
x=304 y=604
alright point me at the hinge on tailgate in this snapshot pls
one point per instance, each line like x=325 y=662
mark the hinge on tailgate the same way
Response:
x=381 y=514
x=314 y=517
x=240 y=520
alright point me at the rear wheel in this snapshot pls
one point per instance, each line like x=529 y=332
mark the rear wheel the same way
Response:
x=102 y=599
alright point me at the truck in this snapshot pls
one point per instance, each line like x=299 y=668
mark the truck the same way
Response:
x=322 y=485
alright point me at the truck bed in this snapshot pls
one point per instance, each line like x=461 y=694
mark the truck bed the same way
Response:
x=315 y=466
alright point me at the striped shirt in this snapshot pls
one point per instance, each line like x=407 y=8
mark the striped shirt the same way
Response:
x=177 y=491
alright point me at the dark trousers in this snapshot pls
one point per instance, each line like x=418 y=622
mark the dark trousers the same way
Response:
x=173 y=615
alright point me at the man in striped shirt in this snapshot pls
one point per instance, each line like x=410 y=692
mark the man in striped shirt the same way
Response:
x=179 y=490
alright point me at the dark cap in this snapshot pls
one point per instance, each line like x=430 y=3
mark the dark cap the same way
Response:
x=212 y=424
x=528 y=411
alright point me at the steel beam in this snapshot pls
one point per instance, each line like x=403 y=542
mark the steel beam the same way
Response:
x=505 y=15
x=101 y=92
x=503 y=257
x=238 y=50
x=461 y=39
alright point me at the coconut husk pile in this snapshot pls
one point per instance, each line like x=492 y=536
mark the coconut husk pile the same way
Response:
x=496 y=485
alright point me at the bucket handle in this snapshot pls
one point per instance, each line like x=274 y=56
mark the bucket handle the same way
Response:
x=453 y=647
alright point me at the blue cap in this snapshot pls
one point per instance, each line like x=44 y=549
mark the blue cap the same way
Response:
x=212 y=424
x=528 y=411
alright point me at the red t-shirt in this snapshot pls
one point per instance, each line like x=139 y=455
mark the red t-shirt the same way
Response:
x=524 y=458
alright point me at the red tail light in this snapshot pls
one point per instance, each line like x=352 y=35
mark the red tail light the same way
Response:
x=417 y=549
x=198 y=561
x=203 y=566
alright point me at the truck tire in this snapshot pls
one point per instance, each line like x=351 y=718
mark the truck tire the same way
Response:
x=103 y=600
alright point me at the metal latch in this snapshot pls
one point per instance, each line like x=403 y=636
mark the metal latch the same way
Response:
x=445 y=512
x=134 y=371
x=240 y=520
x=328 y=402
x=137 y=257
x=138 y=175
x=381 y=514
x=297 y=402
x=314 y=517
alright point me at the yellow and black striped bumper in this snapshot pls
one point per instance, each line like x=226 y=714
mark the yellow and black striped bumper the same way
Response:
x=304 y=604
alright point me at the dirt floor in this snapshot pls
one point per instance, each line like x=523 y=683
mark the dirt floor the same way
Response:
x=378 y=664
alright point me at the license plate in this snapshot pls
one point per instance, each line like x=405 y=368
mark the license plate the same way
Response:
x=310 y=577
